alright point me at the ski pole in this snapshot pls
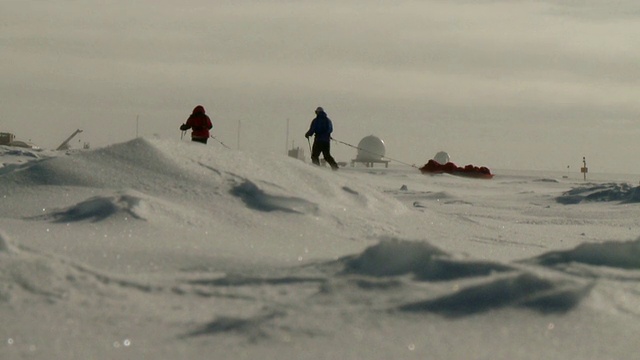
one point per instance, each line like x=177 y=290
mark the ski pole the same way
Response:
x=373 y=153
x=223 y=144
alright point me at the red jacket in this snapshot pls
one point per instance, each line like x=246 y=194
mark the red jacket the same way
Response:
x=199 y=122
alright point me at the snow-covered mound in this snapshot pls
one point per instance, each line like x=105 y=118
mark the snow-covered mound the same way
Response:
x=496 y=285
x=426 y=262
x=202 y=175
x=12 y=157
x=181 y=187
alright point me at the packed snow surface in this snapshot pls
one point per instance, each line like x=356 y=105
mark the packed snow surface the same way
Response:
x=162 y=249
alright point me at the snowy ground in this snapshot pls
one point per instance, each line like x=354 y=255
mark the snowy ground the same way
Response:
x=161 y=249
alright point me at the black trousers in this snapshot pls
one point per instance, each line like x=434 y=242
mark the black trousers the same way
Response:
x=324 y=148
x=200 y=140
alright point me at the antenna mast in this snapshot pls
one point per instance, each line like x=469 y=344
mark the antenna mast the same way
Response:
x=238 y=142
x=65 y=144
x=286 y=142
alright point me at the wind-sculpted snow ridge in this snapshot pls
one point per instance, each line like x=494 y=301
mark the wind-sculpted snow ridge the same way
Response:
x=13 y=157
x=27 y=275
x=99 y=208
x=126 y=165
x=623 y=193
x=18 y=152
x=28 y=278
x=392 y=276
x=424 y=261
x=490 y=285
x=375 y=280
x=547 y=180
x=255 y=328
x=614 y=254
x=525 y=290
x=257 y=199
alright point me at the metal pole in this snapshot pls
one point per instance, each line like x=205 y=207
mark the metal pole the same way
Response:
x=238 y=142
x=286 y=142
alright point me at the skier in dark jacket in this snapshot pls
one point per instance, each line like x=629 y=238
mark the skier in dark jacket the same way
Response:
x=200 y=123
x=322 y=127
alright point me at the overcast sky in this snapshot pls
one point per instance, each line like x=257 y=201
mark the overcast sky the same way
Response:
x=504 y=84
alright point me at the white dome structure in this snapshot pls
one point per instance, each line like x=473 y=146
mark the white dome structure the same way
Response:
x=370 y=149
x=442 y=158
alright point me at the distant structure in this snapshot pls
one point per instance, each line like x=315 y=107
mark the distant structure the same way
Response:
x=297 y=153
x=584 y=170
x=442 y=158
x=65 y=144
x=6 y=138
x=9 y=139
x=371 y=150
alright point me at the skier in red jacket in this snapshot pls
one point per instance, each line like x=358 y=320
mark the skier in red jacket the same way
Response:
x=199 y=123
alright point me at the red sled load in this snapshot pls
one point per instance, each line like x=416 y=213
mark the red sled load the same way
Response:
x=433 y=167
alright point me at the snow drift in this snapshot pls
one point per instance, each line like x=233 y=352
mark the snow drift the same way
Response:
x=155 y=248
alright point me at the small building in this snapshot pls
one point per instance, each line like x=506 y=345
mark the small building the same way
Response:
x=297 y=153
x=6 y=138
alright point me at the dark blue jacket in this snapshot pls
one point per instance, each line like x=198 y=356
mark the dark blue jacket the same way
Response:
x=322 y=127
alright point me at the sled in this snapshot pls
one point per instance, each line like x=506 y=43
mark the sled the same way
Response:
x=434 y=168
